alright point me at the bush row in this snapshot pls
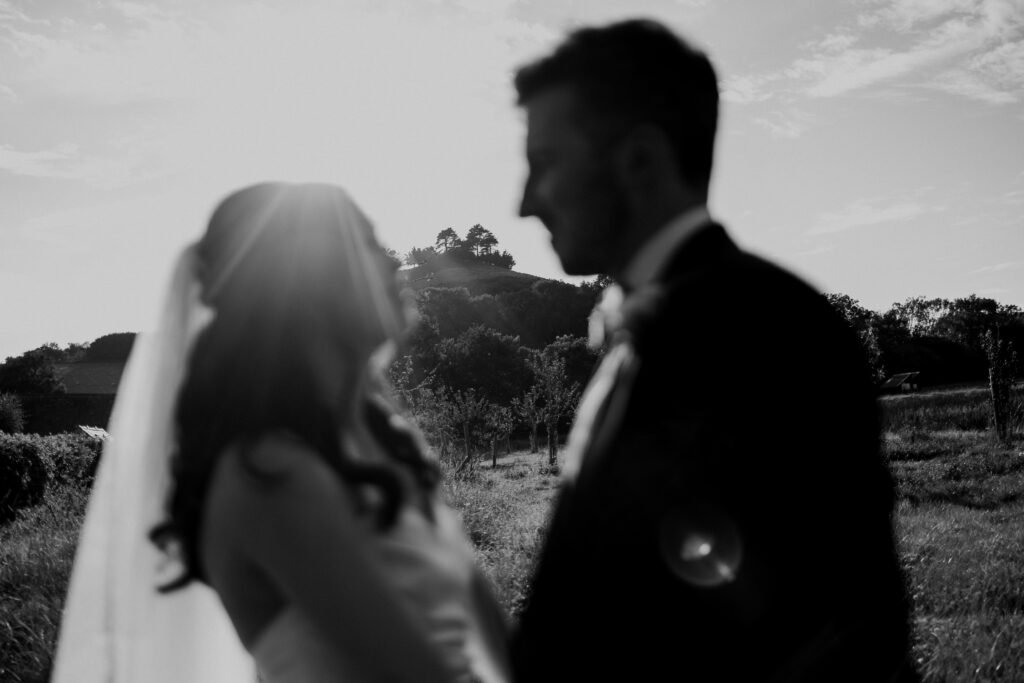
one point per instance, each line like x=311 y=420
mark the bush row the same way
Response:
x=30 y=462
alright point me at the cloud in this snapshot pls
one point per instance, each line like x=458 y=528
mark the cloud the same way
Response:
x=969 y=49
x=95 y=64
x=747 y=89
x=855 y=68
x=8 y=13
x=786 y=125
x=904 y=15
x=837 y=42
x=966 y=84
x=869 y=212
x=67 y=162
x=998 y=267
x=1015 y=197
x=38 y=163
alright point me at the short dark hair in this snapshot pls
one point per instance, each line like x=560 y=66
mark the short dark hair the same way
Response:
x=634 y=72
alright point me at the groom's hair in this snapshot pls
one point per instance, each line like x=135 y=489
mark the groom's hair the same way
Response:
x=636 y=72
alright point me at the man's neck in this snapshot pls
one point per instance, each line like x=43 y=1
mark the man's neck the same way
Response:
x=649 y=261
x=647 y=222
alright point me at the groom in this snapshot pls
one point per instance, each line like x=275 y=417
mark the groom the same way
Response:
x=726 y=514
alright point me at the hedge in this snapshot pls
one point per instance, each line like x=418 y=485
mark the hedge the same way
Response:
x=29 y=463
x=23 y=474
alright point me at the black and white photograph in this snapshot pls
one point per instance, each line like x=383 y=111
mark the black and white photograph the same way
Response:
x=511 y=341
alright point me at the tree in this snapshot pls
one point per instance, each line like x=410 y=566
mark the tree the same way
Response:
x=863 y=322
x=450 y=309
x=968 y=319
x=12 y=417
x=467 y=410
x=55 y=354
x=111 y=348
x=447 y=240
x=580 y=359
x=1001 y=363
x=502 y=259
x=33 y=372
x=530 y=409
x=421 y=257
x=856 y=316
x=918 y=315
x=480 y=240
x=395 y=257
x=436 y=418
x=421 y=344
x=484 y=360
x=597 y=285
x=547 y=310
x=498 y=424
x=555 y=395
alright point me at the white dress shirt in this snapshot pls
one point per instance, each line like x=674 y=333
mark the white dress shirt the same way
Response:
x=620 y=363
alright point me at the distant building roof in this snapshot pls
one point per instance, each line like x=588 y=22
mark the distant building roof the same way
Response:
x=91 y=378
x=899 y=379
x=98 y=433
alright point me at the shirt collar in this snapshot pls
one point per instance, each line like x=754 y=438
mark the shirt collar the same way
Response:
x=652 y=257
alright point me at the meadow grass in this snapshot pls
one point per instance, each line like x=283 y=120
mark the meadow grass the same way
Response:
x=959 y=524
x=36 y=552
x=505 y=511
x=960 y=529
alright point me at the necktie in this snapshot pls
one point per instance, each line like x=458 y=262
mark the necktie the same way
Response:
x=601 y=407
x=607 y=395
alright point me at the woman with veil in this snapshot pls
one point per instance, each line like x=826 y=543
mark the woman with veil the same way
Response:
x=260 y=505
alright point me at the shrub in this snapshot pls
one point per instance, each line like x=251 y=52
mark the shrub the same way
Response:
x=12 y=415
x=70 y=459
x=23 y=474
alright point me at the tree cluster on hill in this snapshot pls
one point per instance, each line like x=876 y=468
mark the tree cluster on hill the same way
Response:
x=479 y=246
x=32 y=389
x=479 y=367
x=942 y=339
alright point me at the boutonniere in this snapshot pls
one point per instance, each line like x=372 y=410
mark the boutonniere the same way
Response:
x=619 y=313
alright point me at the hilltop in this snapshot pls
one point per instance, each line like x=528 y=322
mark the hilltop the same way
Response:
x=478 y=277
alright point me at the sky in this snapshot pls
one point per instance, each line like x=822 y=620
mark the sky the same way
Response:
x=874 y=147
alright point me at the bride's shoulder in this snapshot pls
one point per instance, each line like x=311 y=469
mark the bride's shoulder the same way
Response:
x=276 y=453
x=273 y=466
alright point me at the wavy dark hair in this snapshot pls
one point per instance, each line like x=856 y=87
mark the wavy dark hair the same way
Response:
x=273 y=268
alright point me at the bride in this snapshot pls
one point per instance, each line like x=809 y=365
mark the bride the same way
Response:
x=253 y=452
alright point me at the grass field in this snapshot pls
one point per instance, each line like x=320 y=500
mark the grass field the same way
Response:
x=959 y=521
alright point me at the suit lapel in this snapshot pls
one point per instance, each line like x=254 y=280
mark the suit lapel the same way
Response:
x=703 y=252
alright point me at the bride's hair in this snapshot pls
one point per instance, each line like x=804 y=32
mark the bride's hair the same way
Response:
x=284 y=267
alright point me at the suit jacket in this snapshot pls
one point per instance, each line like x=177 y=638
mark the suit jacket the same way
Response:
x=751 y=414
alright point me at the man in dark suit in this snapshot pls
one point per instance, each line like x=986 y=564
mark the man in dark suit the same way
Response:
x=725 y=513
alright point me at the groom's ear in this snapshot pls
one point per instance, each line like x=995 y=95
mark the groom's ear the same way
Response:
x=644 y=160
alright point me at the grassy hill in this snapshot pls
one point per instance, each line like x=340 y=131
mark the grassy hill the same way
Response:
x=478 y=278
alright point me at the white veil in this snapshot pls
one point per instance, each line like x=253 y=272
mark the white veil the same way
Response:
x=116 y=627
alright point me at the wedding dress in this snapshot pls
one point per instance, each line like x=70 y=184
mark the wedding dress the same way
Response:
x=431 y=566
